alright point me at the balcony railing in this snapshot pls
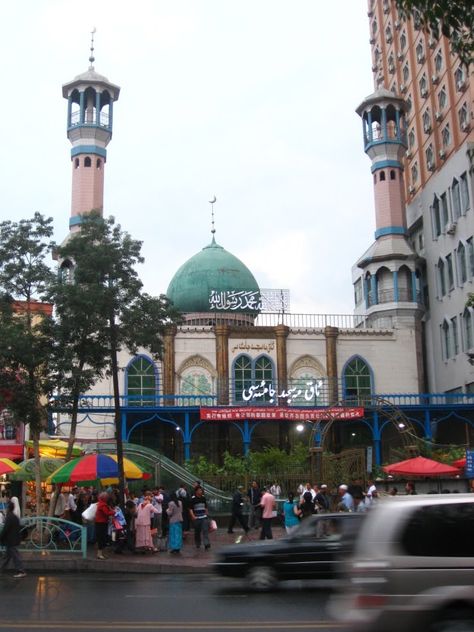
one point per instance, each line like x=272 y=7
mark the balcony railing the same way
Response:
x=103 y=119
x=388 y=296
x=272 y=319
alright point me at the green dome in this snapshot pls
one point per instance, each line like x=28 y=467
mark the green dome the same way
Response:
x=211 y=269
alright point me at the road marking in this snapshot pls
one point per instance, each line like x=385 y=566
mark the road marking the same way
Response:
x=172 y=625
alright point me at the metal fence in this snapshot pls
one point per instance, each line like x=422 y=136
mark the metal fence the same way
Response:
x=45 y=534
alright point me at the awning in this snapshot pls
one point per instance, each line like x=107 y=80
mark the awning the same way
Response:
x=13 y=451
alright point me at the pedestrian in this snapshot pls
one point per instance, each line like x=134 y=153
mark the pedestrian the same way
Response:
x=410 y=489
x=143 y=535
x=291 y=513
x=103 y=514
x=307 y=504
x=275 y=489
x=322 y=499
x=175 y=518
x=254 y=495
x=184 y=497
x=10 y=538
x=157 y=520
x=199 y=515
x=237 y=511
x=346 y=502
x=268 y=505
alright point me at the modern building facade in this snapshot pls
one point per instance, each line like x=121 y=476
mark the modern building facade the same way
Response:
x=437 y=187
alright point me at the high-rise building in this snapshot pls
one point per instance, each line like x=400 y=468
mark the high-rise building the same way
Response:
x=437 y=191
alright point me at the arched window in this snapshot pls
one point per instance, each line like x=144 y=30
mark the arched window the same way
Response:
x=99 y=163
x=441 y=278
x=76 y=163
x=393 y=174
x=66 y=271
x=87 y=161
x=445 y=340
x=382 y=176
x=462 y=267
x=467 y=323
x=141 y=382
x=357 y=379
x=248 y=372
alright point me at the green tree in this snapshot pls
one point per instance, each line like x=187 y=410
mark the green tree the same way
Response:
x=103 y=260
x=452 y=18
x=25 y=347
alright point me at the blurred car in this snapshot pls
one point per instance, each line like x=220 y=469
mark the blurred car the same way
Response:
x=412 y=567
x=312 y=551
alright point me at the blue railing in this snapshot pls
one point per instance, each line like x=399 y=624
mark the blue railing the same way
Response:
x=42 y=534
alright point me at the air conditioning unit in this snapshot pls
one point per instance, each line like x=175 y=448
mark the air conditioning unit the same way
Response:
x=442 y=154
x=408 y=153
x=389 y=39
x=431 y=42
x=420 y=58
x=427 y=128
x=397 y=24
x=465 y=126
x=403 y=87
x=451 y=229
x=370 y=13
x=438 y=115
x=386 y=9
x=372 y=40
x=400 y=56
x=411 y=189
x=430 y=165
x=424 y=93
x=461 y=85
x=434 y=79
x=391 y=68
x=374 y=68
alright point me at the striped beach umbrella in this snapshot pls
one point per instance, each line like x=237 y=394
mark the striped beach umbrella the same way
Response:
x=93 y=468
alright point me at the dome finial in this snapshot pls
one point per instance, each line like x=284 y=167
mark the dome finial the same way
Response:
x=92 y=58
x=213 y=230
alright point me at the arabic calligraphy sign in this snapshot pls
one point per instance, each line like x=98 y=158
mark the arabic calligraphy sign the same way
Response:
x=279 y=413
x=254 y=346
x=265 y=390
x=235 y=300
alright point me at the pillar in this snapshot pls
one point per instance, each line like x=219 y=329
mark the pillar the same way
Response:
x=222 y=363
x=281 y=334
x=331 y=334
x=169 y=368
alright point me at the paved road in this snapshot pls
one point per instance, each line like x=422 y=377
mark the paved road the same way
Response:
x=74 y=602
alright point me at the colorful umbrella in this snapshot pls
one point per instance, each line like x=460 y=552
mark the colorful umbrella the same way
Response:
x=420 y=466
x=55 y=448
x=96 y=467
x=460 y=463
x=26 y=469
x=7 y=466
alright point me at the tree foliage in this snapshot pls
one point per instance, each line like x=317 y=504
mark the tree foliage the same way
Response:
x=452 y=18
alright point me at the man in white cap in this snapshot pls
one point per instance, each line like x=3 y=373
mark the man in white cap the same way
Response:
x=345 y=499
x=322 y=499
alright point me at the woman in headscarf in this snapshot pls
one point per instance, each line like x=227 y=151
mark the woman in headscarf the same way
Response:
x=175 y=517
x=143 y=537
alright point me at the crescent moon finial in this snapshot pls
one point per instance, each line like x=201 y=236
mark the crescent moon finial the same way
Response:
x=212 y=202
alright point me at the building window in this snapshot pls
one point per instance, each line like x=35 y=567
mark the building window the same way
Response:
x=438 y=62
x=464 y=118
x=263 y=372
x=465 y=205
x=411 y=138
x=414 y=173
x=450 y=270
x=467 y=325
x=382 y=176
x=460 y=78
x=357 y=380
x=98 y=163
x=403 y=40
x=242 y=376
x=426 y=121
x=436 y=218
x=141 y=382
x=446 y=136
x=409 y=103
x=456 y=199
x=423 y=83
x=462 y=267
x=445 y=340
x=441 y=278
x=442 y=98
x=374 y=26
x=444 y=209
x=358 y=294
x=454 y=335
x=393 y=174
x=430 y=164
x=76 y=163
x=391 y=64
x=406 y=73
x=420 y=53
x=470 y=257
x=388 y=34
x=87 y=161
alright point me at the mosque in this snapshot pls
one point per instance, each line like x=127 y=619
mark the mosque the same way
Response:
x=242 y=372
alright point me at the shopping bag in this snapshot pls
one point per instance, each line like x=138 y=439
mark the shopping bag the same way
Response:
x=212 y=525
x=89 y=514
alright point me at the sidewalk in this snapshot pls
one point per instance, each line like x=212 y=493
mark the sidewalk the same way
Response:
x=191 y=560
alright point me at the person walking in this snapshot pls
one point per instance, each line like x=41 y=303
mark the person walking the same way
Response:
x=254 y=495
x=268 y=507
x=322 y=499
x=291 y=513
x=237 y=513
x=10 y=538
x=143 y=519
x=175 y=518
x=199 y=515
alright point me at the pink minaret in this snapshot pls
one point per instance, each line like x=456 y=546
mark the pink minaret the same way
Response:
x=89 y=128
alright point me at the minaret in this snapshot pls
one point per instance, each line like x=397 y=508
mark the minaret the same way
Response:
x=389 y=276
x=90 y=99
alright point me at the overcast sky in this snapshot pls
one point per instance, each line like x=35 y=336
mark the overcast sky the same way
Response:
x=249 y=100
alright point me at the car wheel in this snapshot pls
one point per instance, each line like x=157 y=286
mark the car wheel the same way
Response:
x=262 y=578
x=455 y=620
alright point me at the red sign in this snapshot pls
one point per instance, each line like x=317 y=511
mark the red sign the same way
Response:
x=278 y=413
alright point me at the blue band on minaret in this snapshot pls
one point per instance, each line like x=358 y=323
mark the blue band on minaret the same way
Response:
x=390 y=230
x=88 y=149
x=383 y=164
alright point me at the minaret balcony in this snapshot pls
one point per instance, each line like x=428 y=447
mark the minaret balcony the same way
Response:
x=104 y=121
x=379 y=136
x=404 y=295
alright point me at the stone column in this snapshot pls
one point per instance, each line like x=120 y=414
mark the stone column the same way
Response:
x=331 y=334
x=281 y=334
x=169 y=368
x=222 y=363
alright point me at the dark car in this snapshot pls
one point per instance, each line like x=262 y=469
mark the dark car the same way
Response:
x=315 y=550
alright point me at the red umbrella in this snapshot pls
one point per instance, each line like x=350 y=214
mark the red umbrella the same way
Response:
x=460 y=463
x=419 y=466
